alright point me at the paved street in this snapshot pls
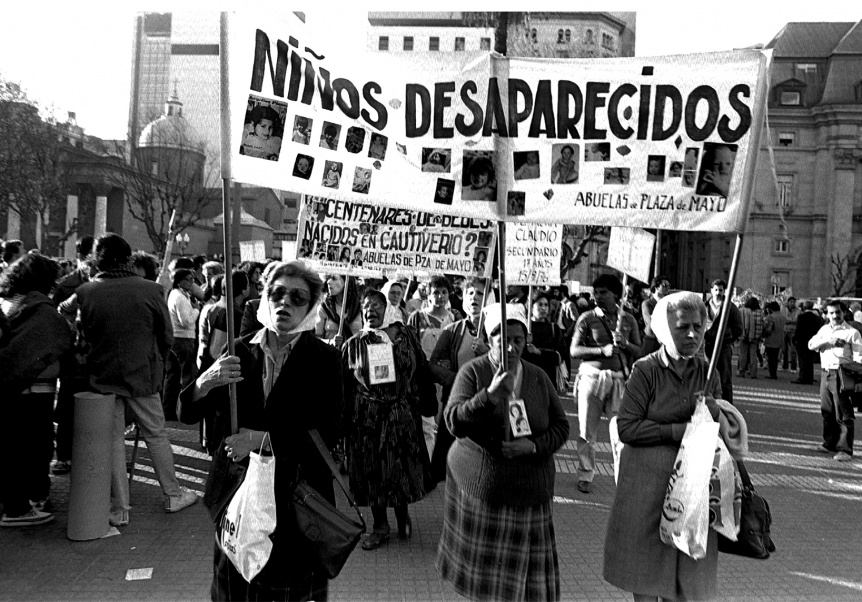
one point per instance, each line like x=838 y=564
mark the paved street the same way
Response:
x=816 y=504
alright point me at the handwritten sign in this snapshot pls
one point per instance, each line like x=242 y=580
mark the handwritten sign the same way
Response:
x=630 y=251
x=533 y=253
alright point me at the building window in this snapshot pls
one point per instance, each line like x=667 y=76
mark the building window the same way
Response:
x=290 y=203
x=779 y=282
x=408 y=43
x=790 y=98
x=785 y=191
x=459 y=44
x=589 y=39
x=560 y=36
x=607 y=41
x=805 y=70
x=434 y=44
x=485 y=44
x=568 y=36
x=782 y=245
x=534 y=35
x=383 y=43
x=786 y=138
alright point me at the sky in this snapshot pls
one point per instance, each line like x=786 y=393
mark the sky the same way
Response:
x=76 y=56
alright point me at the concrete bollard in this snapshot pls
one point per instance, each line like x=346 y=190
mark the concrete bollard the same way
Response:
x=90 y=486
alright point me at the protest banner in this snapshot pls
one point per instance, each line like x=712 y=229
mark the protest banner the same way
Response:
x=630 y=252
x=654 y=142
x=342 y=237
x=252 y=250
x=533 y=253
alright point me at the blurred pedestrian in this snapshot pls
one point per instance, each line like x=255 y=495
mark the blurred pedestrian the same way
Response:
x=791 y=313
x=773 y=336
x=181 y=369
x=732 y=333
x=749 y=342
x=659 y=288
x=807 y=324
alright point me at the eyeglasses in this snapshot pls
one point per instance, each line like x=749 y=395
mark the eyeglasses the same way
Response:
x=298 y=297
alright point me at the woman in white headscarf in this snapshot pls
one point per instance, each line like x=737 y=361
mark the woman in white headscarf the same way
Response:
x=288 y=381
x=659 y=400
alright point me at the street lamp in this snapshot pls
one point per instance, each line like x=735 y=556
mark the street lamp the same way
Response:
x=183 y=242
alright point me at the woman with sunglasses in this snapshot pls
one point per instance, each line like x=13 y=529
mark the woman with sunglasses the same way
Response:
x=385 y=374
x=288 y=381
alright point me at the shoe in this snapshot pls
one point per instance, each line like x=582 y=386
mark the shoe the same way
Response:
x=59 y=467
x=584 y=486
x=842 y=457
x=186 y=498
x=118 y=518
x=405 y=530
x=823 y=449
x=31 y=519
x=375 y=540
x=43 y=505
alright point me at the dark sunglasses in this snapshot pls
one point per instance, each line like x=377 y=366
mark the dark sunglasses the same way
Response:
x=298 y=297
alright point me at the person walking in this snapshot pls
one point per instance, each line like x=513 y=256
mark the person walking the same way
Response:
x=838 y=343
x=182 y=366
x=732 y=333
x=329 y=316
x=789 y=351
x=807 y=325
x=752 y=331
x=773 y=336
x=125 y=321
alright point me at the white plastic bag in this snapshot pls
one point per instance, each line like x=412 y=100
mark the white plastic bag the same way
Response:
x=250 y=518
x=616 y=447
x=725 y=493
x=685 y=513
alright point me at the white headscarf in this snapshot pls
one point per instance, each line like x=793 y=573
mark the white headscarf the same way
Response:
x=493 y=317
x=267 y=319
x=661 y=324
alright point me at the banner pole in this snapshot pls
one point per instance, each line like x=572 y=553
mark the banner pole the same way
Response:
x=344 y=306
x=622 y=301
x=529 y=310
x=656 y=269
x=722 y=323
x=504 y=358
x=485 y=294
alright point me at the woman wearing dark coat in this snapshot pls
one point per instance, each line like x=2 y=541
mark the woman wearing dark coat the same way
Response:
x=288 y=382
x=658 y=402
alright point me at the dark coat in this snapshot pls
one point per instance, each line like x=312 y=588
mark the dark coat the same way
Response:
x=807 y=325
x=307 y=395
x=732 y=332
x=126 y=323
x=67 y=286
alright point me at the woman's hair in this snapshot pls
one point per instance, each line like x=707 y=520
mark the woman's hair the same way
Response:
x=217 y=286
x=773 y=306
x=480 y=165
x=351 y=290
x=440 y=282
x=213 y=268
x=30 y=272
x=567 y=147
x=656 y=282
x=112 y=252
x=752 y=303
x=375 y=295
x=610 y=282
x=180 y=275
x=11 y=248
x=146 y=262
x=264 y=112
x=690 y=302
x=297 y=269
x=541 y=295
x=238 y=281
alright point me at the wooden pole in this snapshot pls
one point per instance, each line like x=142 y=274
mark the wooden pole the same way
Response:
x=722 y=323
x=656 y=268
x=344 y=306
x=485 y=294
x=529 y=310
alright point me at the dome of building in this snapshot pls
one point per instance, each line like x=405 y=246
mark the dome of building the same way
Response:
x=171 y=130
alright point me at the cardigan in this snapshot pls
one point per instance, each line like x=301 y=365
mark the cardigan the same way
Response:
x=476 y=460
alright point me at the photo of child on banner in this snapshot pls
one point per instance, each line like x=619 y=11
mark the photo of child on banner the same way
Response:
x=264 y=125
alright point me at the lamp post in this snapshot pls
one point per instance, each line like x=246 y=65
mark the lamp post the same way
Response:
x=182 y=242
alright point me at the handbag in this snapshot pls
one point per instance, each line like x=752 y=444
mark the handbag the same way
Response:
x=224 y=478
x=849 y=377
x=332 y=534
x=754 y=539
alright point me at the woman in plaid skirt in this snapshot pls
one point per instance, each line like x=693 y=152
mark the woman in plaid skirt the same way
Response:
x=498 y=531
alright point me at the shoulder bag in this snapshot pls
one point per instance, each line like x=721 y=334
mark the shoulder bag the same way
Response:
x=754 y=539
x=849 y=377
x=332 y=534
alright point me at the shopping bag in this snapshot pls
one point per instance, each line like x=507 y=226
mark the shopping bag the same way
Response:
x=725 y=493
x=250 y=518
x=685 y=513
x=223 y=481
x=754 y=539
x=616 y=447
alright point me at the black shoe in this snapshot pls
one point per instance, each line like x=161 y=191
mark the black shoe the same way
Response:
x=405 y=529
x=375 y=540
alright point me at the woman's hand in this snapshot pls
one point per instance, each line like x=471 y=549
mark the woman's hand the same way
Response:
x=518 y=447
x=501 y=386
x=239 y=446
x=224 y=371
x=533 y=349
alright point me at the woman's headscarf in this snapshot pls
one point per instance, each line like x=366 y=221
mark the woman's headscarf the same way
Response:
x=267 y=319
x=661 y=321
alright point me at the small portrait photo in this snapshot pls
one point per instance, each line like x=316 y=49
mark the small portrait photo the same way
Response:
x=479 y=180
x=526 y=165
x=688 y=178
x=597 y=151
x=377 y=149
x=320 y=211
x=655 y=168
x=675 y=169
x=565 y=163
x=357 y=258
x=518 y=418
x=320 y=252
x=480 y=254
x=345 y=255
x=436 y=160
x=332 y=174
x=478 y=267
x=302 y=129
x=515 y=202
x=445 y=191
x=484 y=239
x=381 y=372
x=329 y=135
x=355 y=140
x=616 y=175
x=691 y=155
x=305 y=249
x=364 y=228
x=332 y=252
x=264 y=127
x=302 y=166
x=361 y=180
x=716 y=169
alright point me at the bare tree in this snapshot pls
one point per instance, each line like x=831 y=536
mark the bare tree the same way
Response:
x=572 y=256
x=844 y=272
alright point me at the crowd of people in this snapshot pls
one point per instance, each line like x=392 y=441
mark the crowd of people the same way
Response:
x=410 y=384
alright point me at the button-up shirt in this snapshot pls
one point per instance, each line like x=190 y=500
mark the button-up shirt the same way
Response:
x=831 y=356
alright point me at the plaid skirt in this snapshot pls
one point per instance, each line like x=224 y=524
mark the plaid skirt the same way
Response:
x=496 y=552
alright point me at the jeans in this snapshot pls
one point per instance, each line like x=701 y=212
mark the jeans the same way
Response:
x=591 y=406
x=748 y=357
x=837 y=411
x=181 y=369
x=789 y=351
x=147 y=411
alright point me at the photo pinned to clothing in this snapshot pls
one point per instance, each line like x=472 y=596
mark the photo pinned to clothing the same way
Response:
x=361 y=180
x=381 y=364
x=264 y=127
x=332 y=174
x=565 y=163
x=655 y=168
x=597 y=151
x=355 y=140
x=526 y=164
x=518 y=418
x=716 y=169
x=515 y=203
x=330 y=135
x=436 y=160
x=377 y=149
x=479 y=179
x=302 y=129
x=445 y=191
x=303 y=166
x=617 y=175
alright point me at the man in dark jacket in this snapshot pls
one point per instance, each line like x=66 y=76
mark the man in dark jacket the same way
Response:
x=732 y=333
x=807 y=325
x=125 y=320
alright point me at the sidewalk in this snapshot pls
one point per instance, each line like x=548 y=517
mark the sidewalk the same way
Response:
x=815 y=503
